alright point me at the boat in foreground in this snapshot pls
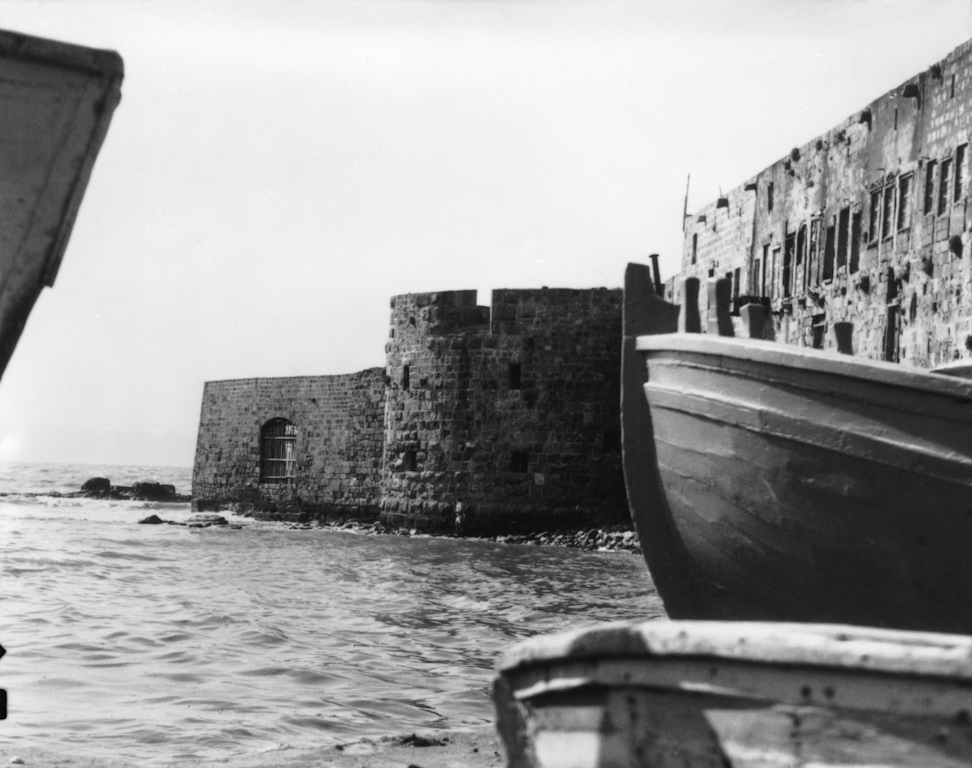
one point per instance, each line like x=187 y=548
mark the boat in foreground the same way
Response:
x=773 y=482
x=748 y=695
x=58 y=100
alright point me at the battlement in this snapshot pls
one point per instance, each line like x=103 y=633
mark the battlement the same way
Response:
x=437 y=314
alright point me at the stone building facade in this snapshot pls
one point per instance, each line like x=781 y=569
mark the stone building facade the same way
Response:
x=868 y=223
x=511 y=408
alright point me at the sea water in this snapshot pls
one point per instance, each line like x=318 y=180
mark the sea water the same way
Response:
x=166 y=644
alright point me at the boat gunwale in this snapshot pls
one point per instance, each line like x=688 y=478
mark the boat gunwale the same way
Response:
x=812 y=360
x=55 y=53
x=846 y=647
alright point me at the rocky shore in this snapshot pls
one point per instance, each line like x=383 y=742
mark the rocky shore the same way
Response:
x=144 y=490
x=616 y=538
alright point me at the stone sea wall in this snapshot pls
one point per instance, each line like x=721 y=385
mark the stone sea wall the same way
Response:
x=867 y=223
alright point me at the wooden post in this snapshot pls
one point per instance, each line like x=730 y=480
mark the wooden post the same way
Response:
x=753 y=320
x=844 y=334
x=659 y=288
x=720 y=297
x=689 y=320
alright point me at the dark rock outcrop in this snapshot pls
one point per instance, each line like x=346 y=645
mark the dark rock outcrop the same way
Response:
x=148 y=491
x=196 y=521
x=96 y=486
x=204 y=521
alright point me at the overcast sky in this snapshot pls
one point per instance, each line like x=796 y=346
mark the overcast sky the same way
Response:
x=276 y=171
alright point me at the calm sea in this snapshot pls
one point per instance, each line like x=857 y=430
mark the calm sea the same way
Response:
x=164 y=643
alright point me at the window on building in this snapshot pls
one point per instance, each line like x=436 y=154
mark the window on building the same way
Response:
x=828 y=264
x=519 y=461
x=843 y=225
x=516 y=376
x=278 y=443
x=930 y=186
x=944 y=181
x=769 y=196
x=955 y=246
x=789 y=245
x=774 y=277
x=801 y=260
x=904 y=201
x=875 y=220
x=735 y=283
x=761 y=274
x=813 y=261
x=819 y=331
x=406 y=376
x=961 y=173
x=856 y=236
x=755 y=284
x=695 y=246
x=887 y=217
x=410 y=461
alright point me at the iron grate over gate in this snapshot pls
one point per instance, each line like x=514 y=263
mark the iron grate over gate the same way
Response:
x=278 y=444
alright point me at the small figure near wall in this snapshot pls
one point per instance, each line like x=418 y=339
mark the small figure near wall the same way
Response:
x=460 y=518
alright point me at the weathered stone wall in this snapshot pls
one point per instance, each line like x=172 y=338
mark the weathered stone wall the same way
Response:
x=868 y=223
x=511 y=408
x=339 y=421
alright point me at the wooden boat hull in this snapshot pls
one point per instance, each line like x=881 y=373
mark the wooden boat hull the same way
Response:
x=58 y=100
x=746 y=695
x=795 y=485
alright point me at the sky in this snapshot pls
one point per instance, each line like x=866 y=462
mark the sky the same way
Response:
x=277 y=171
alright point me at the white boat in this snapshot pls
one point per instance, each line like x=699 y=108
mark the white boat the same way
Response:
x=669 y=694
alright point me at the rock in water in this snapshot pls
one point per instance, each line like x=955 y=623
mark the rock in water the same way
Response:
x=96 y=485
x=151 y=520
x=206 y=520
x=146 y=491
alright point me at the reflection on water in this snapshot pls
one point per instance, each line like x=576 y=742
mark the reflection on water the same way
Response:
x=163 y=643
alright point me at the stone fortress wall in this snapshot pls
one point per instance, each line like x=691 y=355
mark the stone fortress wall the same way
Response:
x=339 y=424
x=512 y=408
x=868 y=223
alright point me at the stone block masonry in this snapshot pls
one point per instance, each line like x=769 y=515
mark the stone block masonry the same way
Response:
x=867 y=223
x=338 y=427
x=511 y=408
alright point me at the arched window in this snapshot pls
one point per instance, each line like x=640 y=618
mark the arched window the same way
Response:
x=278 y=443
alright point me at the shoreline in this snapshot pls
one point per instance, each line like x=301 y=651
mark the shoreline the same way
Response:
x=479 y=747
x=620 y=537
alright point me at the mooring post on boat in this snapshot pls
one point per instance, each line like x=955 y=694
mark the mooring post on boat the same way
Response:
x=844 y=335
x=689 y=320
x=659 y=288
x=753 y=320
x=720 y=298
